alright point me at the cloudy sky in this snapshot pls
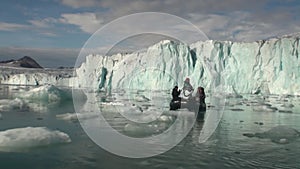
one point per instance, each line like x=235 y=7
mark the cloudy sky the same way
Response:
x=53 y=31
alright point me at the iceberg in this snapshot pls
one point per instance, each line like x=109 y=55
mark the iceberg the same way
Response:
x=20 y=139
x=47 y=94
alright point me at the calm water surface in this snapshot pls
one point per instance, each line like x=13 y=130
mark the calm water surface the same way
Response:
x=227 y=148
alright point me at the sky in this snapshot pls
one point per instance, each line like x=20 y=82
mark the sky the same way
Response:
x=53 y=31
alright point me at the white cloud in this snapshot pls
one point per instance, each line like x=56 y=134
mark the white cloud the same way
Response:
x=239 y=26
x=4 y=26
x=87 y=22
x=38 y=23
x=43 y=23
x=225 y=20
x=42 y=27
x=49 y=34
x=80 y=3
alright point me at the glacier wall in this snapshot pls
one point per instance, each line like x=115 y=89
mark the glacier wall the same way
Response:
x=267 y=66
x=24 y=76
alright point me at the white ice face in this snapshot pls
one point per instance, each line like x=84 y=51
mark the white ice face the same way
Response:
x=267 y=67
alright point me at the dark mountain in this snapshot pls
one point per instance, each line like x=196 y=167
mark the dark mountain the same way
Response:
x=25 y=61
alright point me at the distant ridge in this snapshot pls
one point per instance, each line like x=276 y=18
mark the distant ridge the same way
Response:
x=26 y=62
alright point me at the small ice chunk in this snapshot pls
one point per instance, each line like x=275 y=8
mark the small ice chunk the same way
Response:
x=264 y=108
x=76 y=116
x=112 y=103
x=164 y=118
x=15 y=104
x=278 y=134
x=29 y=137
x=283 y=141
x=141 y=98
x=67 y=116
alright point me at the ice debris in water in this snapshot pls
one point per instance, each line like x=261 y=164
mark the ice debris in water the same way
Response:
x=159 y=125
x=278 y=134
x=15 y=104
x=74 y=116
x=19 y=139
x=141 y=98
x=144 y=129
x=67 y=116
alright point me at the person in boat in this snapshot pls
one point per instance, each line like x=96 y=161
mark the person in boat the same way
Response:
x=187 y=88
x=200 y=96
x=176 y=100
x=175 y=94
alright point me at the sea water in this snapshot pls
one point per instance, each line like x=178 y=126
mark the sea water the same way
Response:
x=228 y=147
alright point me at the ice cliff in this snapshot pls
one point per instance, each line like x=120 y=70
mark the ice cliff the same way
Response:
x=267 y=66
x=23 y=76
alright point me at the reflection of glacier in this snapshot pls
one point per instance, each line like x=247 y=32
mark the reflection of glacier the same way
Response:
x=271 y=66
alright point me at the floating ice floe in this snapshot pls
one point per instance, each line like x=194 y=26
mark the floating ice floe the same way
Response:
x=112 y=103
x=76 y=116
x=278 y=134
x=15 y=104
x=141 y=98
x=19 y=139
x=264 y=108
x=145 y=129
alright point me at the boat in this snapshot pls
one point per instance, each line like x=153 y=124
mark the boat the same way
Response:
x=191 y=104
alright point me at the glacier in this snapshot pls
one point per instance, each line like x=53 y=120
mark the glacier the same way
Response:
x=267 y=67
x=35 y=77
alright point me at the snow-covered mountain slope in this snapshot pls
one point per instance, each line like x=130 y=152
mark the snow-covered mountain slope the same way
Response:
x=26 y=62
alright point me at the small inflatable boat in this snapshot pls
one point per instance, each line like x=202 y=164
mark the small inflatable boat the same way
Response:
x=190 y=104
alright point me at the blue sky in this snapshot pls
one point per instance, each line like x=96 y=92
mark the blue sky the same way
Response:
x=53 y=31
